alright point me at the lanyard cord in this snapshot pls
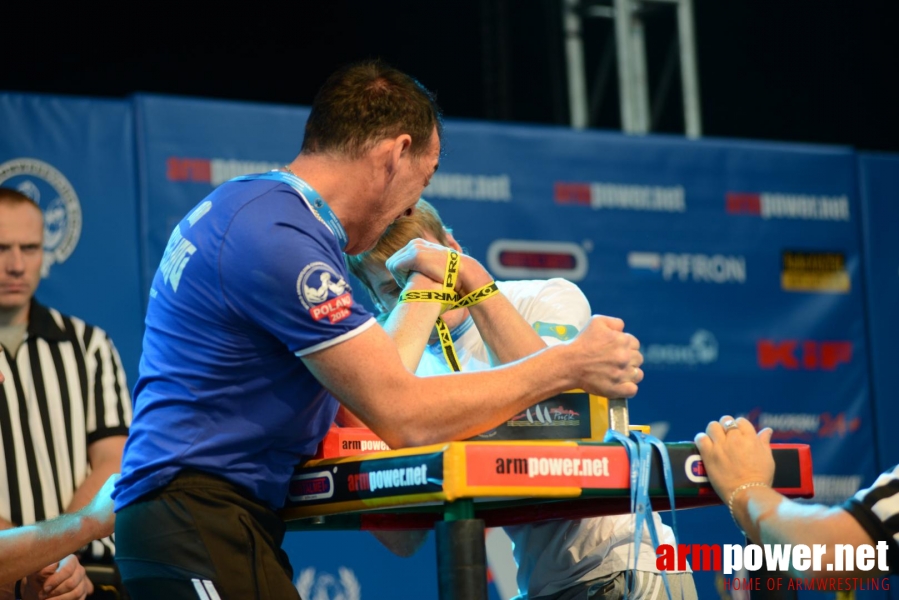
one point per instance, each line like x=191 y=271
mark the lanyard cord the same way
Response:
x=639 y=452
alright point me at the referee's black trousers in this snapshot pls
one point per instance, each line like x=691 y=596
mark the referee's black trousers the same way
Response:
x=201 y=537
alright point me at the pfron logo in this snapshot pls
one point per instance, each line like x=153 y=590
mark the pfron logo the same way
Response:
x=701 y=350
x=807 y=355
x=324 y=292
x=622 y=196
x=700 y=268
x=56 y=197
x=325 y=586
x=532 y=259
x=215 y=171
x=788 y=206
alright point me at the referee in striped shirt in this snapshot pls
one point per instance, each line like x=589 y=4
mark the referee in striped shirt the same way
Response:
x=64 y=405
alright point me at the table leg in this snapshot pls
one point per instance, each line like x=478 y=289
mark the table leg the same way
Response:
x=461 y=555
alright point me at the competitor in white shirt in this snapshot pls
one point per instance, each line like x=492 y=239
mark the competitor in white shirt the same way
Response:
x=557 y=560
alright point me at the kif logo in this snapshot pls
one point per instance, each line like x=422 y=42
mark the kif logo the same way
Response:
x=703 y=268
x=807 y=355
x=788 y=206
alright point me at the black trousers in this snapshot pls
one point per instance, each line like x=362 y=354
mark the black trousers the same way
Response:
x=201 y=537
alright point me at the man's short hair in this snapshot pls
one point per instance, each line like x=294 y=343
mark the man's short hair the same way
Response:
x=14 y=196
x=424 y=220
x=366 y=102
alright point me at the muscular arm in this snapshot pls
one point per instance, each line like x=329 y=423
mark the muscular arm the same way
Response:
x=366 y=373
x=105 y=456
x=28 y=549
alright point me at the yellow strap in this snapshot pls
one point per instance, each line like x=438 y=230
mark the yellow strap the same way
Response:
x=449 y=298
x=479 y=295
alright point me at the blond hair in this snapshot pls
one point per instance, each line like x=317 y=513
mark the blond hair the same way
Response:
x=424 y=221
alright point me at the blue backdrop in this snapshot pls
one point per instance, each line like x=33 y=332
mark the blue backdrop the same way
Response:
x=761 y=279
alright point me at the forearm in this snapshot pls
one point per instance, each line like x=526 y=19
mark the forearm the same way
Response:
x=409 y=326
x=28 y=549
x=767 y=517
x=4 y=524
x=405 y=410
x=105 y=456
x=507 y=335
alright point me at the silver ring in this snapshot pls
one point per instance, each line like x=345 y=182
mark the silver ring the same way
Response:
x=728 y=425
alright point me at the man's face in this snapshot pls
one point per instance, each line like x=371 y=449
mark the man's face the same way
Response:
x=413 y=174
x=21 y=254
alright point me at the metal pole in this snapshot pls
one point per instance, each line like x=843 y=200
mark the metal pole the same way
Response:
x=689 y=71
x=631 y=68
x=574 y=53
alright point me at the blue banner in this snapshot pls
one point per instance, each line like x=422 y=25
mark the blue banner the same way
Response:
x=879 y=175
x=75 y=157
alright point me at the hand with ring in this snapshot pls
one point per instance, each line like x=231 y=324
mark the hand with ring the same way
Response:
x=732 y=459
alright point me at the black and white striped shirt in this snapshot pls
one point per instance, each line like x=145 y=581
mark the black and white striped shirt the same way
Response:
x=877 y=511
x=65 y=389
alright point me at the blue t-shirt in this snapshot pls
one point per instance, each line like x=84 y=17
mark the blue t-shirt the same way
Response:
x=250 y=280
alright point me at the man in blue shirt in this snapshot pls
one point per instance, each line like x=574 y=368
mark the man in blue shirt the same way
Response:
x=251 y=319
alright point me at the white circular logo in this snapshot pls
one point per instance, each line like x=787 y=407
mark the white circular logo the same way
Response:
x=324 y=586
x=317 y=281
x=44 y=184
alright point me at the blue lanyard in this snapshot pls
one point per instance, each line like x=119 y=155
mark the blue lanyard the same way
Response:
x=321 y=209
x=639 y=454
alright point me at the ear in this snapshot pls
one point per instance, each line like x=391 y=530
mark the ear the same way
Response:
x=400 y=148
x=452 y=241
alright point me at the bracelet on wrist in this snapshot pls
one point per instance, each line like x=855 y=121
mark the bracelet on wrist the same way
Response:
x=733 y=496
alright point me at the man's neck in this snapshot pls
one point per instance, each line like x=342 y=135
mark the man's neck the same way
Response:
x=14 y=316
x=346 y=185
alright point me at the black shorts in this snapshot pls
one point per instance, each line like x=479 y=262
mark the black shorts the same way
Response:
x=201 y=537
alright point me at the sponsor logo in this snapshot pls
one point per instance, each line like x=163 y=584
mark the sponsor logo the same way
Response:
x=835 y=489
x=618 y=196
x=695 y=470
x=788 y=206
x=50 y=189
x=365 y=445
x=311 y=486
x=797 y=558
x=809 y=355
x=324 y=586
x=386 y=479
x=215 y=171
x=543 y=416
x=532 y=259
x=702 y=268
x=315 y=284
x=553 y=467
x=814 y=272
x=701 y=350
x=459 y=186
x=804 y=425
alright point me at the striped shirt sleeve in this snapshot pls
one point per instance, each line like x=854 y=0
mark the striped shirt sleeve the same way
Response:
x=877 y=511
x=108 y=400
